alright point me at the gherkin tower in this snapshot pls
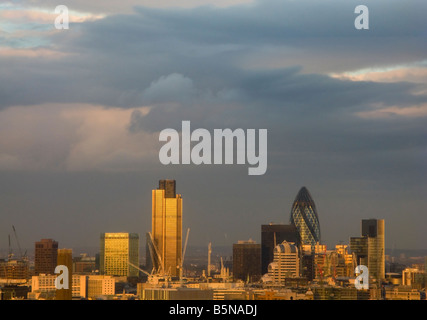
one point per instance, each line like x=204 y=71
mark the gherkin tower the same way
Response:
x=304 y=218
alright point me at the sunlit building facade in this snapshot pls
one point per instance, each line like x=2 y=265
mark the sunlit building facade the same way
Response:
x=374 y=231
x=65 y=258
x=369 y=249
x=119 y=251
x=286 y=263
x=272 y=235
x=304 y=217
x=43 y=287
x=165 y=244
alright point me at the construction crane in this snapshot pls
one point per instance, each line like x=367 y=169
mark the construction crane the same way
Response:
x=209 y=258
x=22 y=256
x=156 y=251
x=152 y=278
x=17 y=241
x=181 y=266
x=10 y=254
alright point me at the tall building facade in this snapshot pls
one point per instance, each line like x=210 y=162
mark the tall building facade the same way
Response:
x=119 y=251
x=304 y=217
x=286 y=263
x=373 y=230
x=165 y=243
x=46 y=255
x=271 y=236
x=247 y=261
x=65 y=257
x=369 y=249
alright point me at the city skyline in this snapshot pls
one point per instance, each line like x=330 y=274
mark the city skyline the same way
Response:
x=17 y=248
x=81 y=110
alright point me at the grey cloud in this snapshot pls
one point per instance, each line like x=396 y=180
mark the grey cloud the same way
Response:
x=188 y=65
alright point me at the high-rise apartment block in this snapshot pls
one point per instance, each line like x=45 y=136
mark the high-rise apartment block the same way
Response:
x=119 y=254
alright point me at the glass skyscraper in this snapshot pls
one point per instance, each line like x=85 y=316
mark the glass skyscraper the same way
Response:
x=165 y=245
x=304 y=217
x=117 y=250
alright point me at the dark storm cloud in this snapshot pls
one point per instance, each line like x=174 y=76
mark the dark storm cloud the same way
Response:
x=113 y=60
x=190 y=64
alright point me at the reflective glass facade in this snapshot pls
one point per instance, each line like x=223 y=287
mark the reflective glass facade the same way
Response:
x=304 y=217
x=117 y=250
x=166 y=228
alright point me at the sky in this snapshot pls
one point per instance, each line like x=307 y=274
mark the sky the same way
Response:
x=81 y=110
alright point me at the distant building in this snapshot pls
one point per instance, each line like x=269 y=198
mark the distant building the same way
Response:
x=14 y=291
x=43 y=287
x=118 y=252
x=45 y=257
x=84 y=265
x=247 y=261
x=402 y=293
x=414 y=278
x=339 y=293
x=271 y=236
x=99 y=285
x=286 y=263
x=14 y=269
x=180 y=293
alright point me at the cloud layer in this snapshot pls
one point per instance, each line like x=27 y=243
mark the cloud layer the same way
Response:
x=345 y=109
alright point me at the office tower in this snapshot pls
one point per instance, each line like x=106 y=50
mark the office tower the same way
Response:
x=119 y=251
x=369 y=249
x=304 y=217
x=271 y=236
x=286 y=263
x=46 y=254
x=373 y=229
x=247 y=261
x=65 y=258
x=165 y=245
x=359 y=248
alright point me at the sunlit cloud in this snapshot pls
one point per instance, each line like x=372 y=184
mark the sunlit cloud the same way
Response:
x=30 y=27
x=414 y=72
x=395 y=111
x=73 y=137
